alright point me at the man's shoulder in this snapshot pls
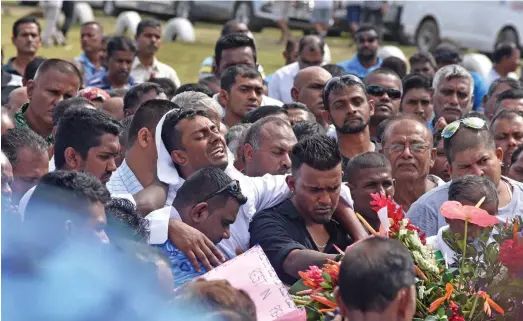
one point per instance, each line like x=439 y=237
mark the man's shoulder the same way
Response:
x=280 y=212
x=287 y=70
x=266 y=100
x=431 y=200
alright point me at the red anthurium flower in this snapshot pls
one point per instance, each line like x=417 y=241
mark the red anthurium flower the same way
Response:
x=455 y=211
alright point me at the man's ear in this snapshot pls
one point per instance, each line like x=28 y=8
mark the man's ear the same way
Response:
x=327 y=116
x=406 y=299
x=371 y=107
x=499 y=155
x=484 y=101
x=291 y=183
x=30 y=88
x=433 y=154
x=200 y=212
x=449 y=168
x=179 y=157
x=144 y=137
x=224 y=97
x=294 y=93
x=73 y=159
x=248 y=151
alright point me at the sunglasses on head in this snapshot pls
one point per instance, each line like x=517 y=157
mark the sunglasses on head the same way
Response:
x=233 y=187
x=335 y=80
x=379 y=91
x=470 y=122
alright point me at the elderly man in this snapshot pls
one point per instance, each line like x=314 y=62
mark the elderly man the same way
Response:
x=452 y=94
x=308 y=86
x=267 y=146
x=310 y=53
x=407 y=143
x=385 y=88
x=55 y=80
x=470 y=148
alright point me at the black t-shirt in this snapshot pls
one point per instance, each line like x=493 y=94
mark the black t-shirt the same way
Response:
x=281 y=229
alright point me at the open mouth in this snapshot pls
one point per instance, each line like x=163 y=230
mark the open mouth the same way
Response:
x=218 y=151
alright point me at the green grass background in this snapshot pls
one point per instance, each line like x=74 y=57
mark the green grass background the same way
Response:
x=185 y=58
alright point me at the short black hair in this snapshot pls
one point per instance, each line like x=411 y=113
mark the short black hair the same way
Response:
x=415 y=81
x=168 y=86
x=477 y=114
x=295 y=105
x=15 y=139
x=194 y=87
x=467 y=138
x=319 y=152
x=510 y=94
x=395 y=64
x=422 y=57
x=372 y=273
x=381 y=71
x=290 y=44
x=148 y=115
x=334 y=70
x=503 y=50
x=336 y=84
x=32 y=67
x=252 y=137
x=60 y=65
x=367 y=27
x=232 y=41
x=515 y=154
x=506 y=114
x=472 y=188
x=228 y=27
x=147 y=23
x=228 y=78
x=398 y=118
x=312 y=41
x=308 y=128
x=448 y=53
x=203 y=183
x=24 y=20
x=124 y=134
x=234 y=135
x=124 y=221
x=63 y=106
x=172 y=139
x=62 y=196
x=512 y=83
x=436 y=138
x=82 y=129
x=132 y=98
x=120 y=43
x=262 y=112
x=364 y=161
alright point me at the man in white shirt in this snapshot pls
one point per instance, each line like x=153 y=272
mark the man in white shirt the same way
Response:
x=506 y=62
x=470 y=149
x=188 y=141
x=311 y=50
x=145 y=65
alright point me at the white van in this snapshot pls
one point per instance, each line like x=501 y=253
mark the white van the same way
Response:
x=476 y=25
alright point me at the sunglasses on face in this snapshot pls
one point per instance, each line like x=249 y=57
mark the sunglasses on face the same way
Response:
x=471 y=122
x=233 y=188
x=366 y=39
x=379 y=91
x=334 y=80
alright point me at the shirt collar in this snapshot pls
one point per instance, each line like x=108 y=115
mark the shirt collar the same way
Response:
x=138 y=63
x=8 y=67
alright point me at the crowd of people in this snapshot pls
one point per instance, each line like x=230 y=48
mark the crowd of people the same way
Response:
x=122 y=185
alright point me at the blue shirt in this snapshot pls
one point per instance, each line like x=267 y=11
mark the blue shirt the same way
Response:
x=480 y=90
x=181 y=267
x=353 y=66
x=102 y=82
x=90 y=70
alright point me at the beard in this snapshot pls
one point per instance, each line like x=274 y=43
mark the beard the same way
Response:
x=366 y=55
x=351 y=129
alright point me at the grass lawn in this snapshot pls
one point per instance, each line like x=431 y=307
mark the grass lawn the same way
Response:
x=185 y=58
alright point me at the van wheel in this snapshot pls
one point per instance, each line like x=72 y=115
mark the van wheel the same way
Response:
x=427 y=35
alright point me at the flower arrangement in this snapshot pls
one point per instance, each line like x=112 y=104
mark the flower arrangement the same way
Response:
x=485 y=282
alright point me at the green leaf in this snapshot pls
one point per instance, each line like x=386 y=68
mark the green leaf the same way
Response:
x=326 y=286
x=297 y=287
x=441 y=312
x=326 y=276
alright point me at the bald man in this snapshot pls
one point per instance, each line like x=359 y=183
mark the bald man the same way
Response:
x=17 y=98
x=114 y=107
x=7 y=120
x=308 y=85
x=55 y=81
x=310 y=53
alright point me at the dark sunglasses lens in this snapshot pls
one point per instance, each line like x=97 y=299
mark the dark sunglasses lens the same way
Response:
x=394 y=94
x=375 y=90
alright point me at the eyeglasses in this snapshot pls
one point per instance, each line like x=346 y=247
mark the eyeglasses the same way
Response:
x=379 y=91
x=334 y=80
x=416 y=148
x=232 y=187
x=470 y=122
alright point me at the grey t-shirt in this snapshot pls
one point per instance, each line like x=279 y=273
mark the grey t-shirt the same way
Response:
x=425 y=212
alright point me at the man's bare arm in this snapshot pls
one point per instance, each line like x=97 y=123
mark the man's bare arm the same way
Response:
x=301 y=260
x=347 y=218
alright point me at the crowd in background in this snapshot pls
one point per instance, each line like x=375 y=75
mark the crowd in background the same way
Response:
x=121 y=182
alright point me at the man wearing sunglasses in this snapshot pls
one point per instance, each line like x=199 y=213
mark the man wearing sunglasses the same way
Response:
x=366 y=60
x=207 y=201
x=384 y=87
x=470 y=149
